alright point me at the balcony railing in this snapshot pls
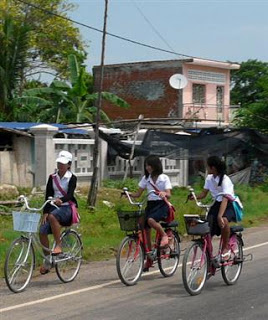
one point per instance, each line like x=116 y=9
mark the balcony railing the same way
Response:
x=209 y=112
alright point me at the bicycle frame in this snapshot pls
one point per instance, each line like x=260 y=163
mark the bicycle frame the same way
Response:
x=25 y=257
x=199 y=260
x=134 y=250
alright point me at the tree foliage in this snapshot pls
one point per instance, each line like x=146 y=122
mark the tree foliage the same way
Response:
x=250 y=90
x=64 y=102
x=14 y=46
x=52 y=38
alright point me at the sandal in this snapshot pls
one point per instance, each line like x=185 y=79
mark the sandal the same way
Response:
x=56 y=251
x=44 y=270
x=226 y=256
x=164 y=241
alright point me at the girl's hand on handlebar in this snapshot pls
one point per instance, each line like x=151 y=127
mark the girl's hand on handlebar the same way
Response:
x=162 y=194
x=58 y=202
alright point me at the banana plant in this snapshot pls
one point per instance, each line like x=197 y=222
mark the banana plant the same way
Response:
x=69 y=101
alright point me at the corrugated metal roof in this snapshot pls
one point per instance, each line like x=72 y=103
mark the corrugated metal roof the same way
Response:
x=25 y=127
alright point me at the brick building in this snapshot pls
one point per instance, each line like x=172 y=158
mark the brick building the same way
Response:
x=145 y=86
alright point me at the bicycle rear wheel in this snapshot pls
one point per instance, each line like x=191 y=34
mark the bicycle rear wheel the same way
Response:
x=19 y=264
x=231 y=272
x=194 y=268
x=168 y=258
x=130 y=260
x=68 y=263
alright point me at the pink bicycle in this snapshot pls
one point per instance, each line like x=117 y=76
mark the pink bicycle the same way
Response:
x=199 y=263
x=133 y=250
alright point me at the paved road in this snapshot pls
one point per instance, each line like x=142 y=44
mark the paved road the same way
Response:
x=97 y=294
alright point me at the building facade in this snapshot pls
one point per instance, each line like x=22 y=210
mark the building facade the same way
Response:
x=145 y=86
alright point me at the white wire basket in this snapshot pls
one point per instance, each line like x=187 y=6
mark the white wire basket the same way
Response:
x=25 y=221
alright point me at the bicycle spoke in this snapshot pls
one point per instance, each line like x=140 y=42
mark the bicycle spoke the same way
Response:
x=194 y=269
x=231 y=270
x=68 y=264
x=19 y=265
x=129 y=261
x=168 y=258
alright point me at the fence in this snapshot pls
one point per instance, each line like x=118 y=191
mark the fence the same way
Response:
x=32 y=160
x=82 y=150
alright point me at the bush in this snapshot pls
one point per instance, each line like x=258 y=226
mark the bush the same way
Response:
x=131 y=184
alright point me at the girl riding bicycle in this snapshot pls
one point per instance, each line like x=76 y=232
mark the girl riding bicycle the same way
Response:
x=222 y=212
x=61 y=186
x=157 y=209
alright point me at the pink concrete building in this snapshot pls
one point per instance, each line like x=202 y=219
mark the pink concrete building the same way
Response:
x=145 y=86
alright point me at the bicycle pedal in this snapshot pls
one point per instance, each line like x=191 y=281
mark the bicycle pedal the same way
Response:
x=59 y=257
x=238 y=260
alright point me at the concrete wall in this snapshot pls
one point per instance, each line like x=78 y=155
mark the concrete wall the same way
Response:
x=144 y=85
x=16 y=165
x=33 y=159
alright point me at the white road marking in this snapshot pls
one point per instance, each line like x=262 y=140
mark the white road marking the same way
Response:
x=22 y=305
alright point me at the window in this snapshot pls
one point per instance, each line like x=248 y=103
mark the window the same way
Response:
x=199 y=93
x=220 y=95
x=205 y=76
x=220 y=98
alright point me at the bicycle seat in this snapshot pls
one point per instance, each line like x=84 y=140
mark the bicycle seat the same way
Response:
x=171 y=224
x=235 y=229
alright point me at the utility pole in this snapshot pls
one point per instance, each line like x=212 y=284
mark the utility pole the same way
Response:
x=92 y=195
x=129 y=164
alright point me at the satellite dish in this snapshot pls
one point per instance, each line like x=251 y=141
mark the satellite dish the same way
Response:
x=178 y=81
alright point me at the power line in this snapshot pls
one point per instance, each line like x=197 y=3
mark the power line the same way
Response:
x=152 y=26
x=98 y=30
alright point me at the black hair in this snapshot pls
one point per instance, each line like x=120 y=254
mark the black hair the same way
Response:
x=219 y=165
x=156 y=165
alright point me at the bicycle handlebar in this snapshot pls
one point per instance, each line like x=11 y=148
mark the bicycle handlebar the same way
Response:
x=24 y=200
x=200 y=204
x=139 y=204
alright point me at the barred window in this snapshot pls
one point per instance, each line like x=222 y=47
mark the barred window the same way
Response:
x=199 y=93
x=207 y=76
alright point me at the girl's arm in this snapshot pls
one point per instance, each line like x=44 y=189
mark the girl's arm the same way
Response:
x=137 y=194
x=201 y=195
x=221 y=212
x=165 y=194
x=49 y=193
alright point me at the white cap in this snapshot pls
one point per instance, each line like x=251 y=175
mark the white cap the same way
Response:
x=64 y=157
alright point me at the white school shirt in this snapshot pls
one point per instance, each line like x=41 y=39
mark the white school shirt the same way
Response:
x=226 y=187
x=64 y=183
x=162 y=183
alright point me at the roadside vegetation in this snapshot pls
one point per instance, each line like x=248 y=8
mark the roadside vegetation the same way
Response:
x=100 y=229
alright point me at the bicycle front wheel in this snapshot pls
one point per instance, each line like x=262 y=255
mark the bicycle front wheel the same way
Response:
x=19 y=264
x=130 y=260
x=232 y=270
x=194 y=268
x=68 y=263
x=168 y=258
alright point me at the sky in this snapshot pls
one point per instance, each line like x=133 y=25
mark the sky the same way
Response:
x=234 y=30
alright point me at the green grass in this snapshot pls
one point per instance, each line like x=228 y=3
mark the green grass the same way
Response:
x=100 y=229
